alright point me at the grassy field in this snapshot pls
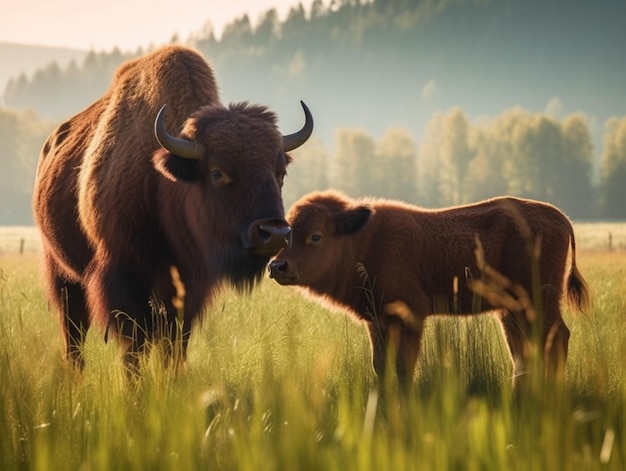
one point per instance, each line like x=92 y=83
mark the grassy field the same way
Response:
x=276 y=382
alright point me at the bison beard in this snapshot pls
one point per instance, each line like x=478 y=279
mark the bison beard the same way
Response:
x=392 y=265
x=241 y=268
x=120 y=201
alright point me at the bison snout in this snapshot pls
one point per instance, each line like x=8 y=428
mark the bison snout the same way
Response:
x=269 y=236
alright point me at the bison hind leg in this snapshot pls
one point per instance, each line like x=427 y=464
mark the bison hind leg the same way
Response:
x=69 y=299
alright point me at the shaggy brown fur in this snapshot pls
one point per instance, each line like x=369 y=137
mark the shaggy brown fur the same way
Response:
x=117 y=211
x=392 y=265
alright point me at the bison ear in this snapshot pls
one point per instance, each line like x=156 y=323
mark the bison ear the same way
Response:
x=174 y=167
x=353 y=220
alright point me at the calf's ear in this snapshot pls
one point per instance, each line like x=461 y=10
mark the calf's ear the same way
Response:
x=353 y=220
x=174 y=167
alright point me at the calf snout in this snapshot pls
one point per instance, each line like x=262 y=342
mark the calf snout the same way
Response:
x=269 y=236
x=282 y=272
x=277 y=268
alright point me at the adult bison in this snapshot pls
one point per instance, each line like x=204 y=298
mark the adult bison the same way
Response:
x=120 y=201
x=392 y=265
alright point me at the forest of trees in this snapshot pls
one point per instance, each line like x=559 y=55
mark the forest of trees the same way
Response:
x=417 y=138
x=517 y=153
x=21 y=137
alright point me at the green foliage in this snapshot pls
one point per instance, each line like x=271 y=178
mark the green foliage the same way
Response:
x=397 y=154
x=520 y=153
x=56 y=92
x=458 y=161
x=357 y=170
x=614 y=169
x=22 y=135
x=275 y=381
x=308 y=172
x=428 y=68
x=444 y=158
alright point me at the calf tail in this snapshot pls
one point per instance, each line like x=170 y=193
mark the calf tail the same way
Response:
x=577 y=289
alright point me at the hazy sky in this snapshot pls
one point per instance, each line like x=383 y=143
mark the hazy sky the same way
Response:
x=103 y=24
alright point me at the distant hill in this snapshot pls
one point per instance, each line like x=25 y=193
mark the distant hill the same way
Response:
x=16 y=59
x=417 y=65
x=383 y=63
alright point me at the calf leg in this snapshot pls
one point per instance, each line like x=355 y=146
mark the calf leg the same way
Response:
x=69 y=299
x=552 y=340
x=518 y=337
x=408 y=351
x=400 y=341
x=555 y=340
x=378 y=345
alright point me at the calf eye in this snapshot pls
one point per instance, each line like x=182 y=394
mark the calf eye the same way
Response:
x=316 y=238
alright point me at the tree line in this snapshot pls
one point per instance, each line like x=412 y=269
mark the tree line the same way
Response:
x=22 y=135
x=369 y=53
x=363 y=65
x=457 y=161
x=531 y=155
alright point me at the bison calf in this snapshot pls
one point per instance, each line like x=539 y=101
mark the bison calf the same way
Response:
x=393 y=264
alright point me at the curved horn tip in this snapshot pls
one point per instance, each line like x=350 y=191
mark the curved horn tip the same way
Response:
x=304 y=107
x=308 y=116
x=295 y=140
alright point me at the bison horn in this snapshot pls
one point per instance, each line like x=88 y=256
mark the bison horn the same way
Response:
x=177 y=146
x=295 y=140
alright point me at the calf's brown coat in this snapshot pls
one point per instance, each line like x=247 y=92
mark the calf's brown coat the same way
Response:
x=392 y=265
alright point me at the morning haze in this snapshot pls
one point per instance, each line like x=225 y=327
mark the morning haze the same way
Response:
x=433 y=102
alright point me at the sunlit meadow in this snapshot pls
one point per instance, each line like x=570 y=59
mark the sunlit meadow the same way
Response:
x=275 y=381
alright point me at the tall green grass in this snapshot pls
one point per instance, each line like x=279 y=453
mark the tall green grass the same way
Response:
x=275 y=381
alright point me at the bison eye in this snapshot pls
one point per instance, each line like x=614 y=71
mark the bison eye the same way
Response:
x=219 y=178
x=316 y=238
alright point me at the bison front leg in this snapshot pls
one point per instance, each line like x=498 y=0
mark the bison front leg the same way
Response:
x=121 y=304
x=172 y=331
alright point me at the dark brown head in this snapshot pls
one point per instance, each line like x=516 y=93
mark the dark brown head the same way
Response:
x=320 y=222
x=228 y=167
